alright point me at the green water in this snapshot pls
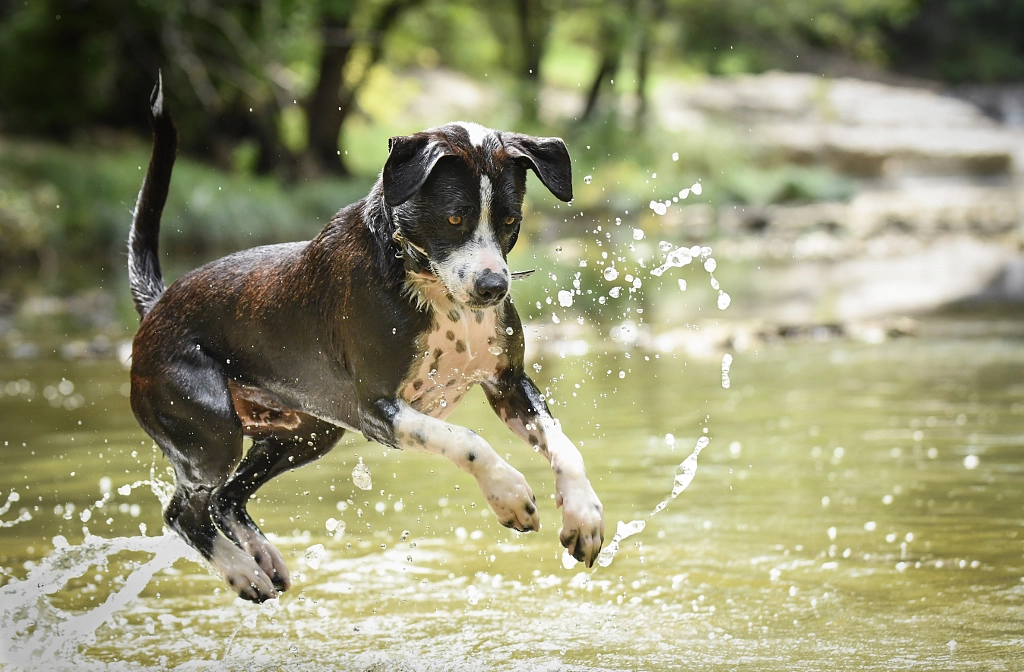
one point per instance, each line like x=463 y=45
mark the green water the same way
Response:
x=858 y=507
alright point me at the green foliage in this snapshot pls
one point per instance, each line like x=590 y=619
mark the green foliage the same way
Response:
x=207 y=209
x=241 y=77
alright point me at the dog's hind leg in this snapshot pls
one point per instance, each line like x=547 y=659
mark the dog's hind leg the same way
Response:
x=185 y=406
x=270 y=455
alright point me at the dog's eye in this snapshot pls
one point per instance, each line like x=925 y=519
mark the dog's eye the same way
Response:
x=455 y=220
x=510 y=220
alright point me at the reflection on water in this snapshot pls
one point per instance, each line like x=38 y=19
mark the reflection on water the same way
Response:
x=857 y=506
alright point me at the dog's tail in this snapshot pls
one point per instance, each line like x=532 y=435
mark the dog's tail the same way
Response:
x=144 y=275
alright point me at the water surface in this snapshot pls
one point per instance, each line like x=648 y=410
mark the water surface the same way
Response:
x=858 y=506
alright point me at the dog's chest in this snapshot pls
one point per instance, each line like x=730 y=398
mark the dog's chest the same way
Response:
x=463 y=349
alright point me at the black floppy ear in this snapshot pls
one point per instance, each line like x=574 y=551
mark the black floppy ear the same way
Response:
x=549 y=159
x=410 y=160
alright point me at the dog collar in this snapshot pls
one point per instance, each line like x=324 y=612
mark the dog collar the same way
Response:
x=413 y=254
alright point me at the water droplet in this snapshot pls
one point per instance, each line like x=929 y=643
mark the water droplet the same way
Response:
x=664 y=246
x=587 y=179
x=314 y=554
x=495 y=350
x=638 y=234
x=710 y=265
x=726 y=364
x=971 y=461
x=405 y=535
x=565 y=298
x=509 y=330
x=696 y=188
x=723 y=300
x=675 y=156
x=614 y=292
x=682 y=285
x=611 y=273
x=361 y=476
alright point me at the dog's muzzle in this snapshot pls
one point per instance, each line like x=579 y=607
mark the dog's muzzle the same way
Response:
x=490 y=288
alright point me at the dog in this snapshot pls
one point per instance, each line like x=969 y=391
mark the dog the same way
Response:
x=380 y=325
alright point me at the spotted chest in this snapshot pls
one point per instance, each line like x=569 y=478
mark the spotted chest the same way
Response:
x=463 y=348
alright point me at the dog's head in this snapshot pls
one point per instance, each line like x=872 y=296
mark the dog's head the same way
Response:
x=456 y=194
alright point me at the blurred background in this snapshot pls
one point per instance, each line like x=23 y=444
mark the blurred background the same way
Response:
x=797 y=232
x=863 y=155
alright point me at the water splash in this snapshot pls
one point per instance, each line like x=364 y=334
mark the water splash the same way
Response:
x=361 y=476
x=314 y=556
x=23 y=515
x=677 y=258
x=32 y=629
x=685 y=472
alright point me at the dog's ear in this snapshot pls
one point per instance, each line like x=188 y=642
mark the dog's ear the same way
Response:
x=410 y=160
x=549 y=159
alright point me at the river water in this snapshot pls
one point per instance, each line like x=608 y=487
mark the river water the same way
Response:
x=857 y=506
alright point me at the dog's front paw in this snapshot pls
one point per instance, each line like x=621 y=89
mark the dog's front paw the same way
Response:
x=582 y=531
x=510 y=497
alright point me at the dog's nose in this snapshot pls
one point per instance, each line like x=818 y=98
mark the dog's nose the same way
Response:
x=490 y=287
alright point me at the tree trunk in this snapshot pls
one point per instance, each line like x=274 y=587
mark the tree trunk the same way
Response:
x=604 y=71
x=533 y=28
x=614 y=28
x=648 y=20
x=333 y=101
x=325 y=113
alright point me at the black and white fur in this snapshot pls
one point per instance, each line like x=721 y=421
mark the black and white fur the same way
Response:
x=381 y=324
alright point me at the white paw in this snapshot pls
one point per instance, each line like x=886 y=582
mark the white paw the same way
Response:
x=582 y=531
x=510 y=497
x=241 y=572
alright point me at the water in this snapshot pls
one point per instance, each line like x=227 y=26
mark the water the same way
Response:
x=858 y=506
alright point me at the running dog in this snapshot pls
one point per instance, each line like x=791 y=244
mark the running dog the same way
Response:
x=379 y=325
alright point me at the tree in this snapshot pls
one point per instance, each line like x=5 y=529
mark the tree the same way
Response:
x=334 y=97
x=534 y=23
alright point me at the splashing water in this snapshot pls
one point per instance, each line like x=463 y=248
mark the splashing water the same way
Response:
x=314 y=556
x=681 y=256
x=33 y=629
x=361 y=476
x=683 y=477
x=23 y=515
x=677 y=258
